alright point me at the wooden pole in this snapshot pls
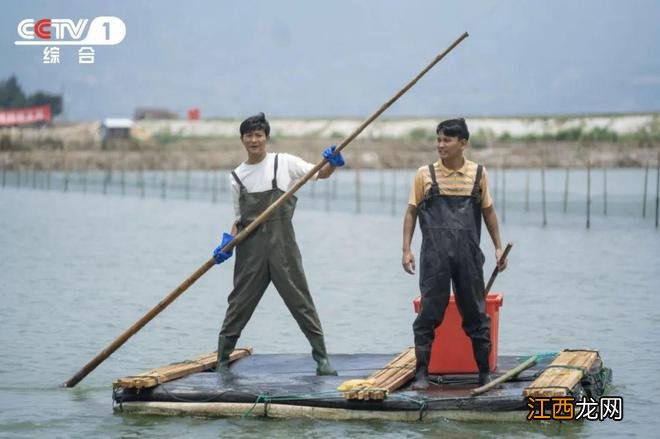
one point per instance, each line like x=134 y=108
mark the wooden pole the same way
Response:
x=187 y=182
x=495 y=271
x=496 y=184
x=545 y=215
x=214 y=187
x=93 y=363
x=358 y=191
x=657 y=189
x=604 y=191
x=141 y=180
x=503 y=195
x=382 y=185
x=646 y=182
x=163 y=184
x=327 y=196
x=527 y=191
x=223 y=182
x=566 y=190
x=106 y=180
x=505 y=377
x=122 y=177
x=393 y=211
x=588 y=193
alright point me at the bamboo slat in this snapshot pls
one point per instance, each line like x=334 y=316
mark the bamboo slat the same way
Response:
x=287 y=411
x=563 y=374
x=395 y=374
x=174 y=371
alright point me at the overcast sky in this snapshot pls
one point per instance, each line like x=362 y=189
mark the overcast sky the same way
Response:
x=346 y=58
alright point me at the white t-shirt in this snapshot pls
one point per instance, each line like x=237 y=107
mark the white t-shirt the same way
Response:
x=259 y=176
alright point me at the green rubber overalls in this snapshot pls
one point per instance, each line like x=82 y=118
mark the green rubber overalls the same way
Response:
x=269 y=253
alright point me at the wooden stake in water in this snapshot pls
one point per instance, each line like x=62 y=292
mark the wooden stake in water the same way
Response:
x=393 y=211
x=657 y=189
x=358 y=191
x=543 y=207
x=382 y=186
x=327 y=196
x=646 y=182
x=163 y=185
x=223 y=183
x=106 y=180
x=588 y=193
x=604 y=191
x=504 y=195
x=527 y=191
x=214 y=187
x=566 y=190
x=122 y=179
x=141 y=182
x=495 y=185
x=187 y=187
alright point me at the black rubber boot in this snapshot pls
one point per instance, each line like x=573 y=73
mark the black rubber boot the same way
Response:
x=422 y=356
x=225 y=347
x=481 y=354
x=320 y=355
x=484 y=378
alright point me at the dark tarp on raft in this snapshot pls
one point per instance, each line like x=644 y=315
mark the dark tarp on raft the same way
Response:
x=290 y=379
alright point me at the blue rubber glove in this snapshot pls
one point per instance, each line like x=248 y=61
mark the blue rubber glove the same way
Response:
x=334 y=160
x=218 y=254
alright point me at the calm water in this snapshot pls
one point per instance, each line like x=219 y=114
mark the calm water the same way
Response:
x=77 y=269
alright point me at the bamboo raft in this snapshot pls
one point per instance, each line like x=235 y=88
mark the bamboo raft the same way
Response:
x=563 y=374
x=285 y=386
x=395 y=374
x=173 y=371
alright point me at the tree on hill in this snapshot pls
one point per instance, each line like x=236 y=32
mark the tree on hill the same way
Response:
x=12 y=96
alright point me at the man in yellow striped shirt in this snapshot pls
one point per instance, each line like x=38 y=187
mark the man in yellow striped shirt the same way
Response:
x=450 y=197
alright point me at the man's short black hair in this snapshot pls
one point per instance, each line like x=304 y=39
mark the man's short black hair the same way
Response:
x=454 y=128
x=255 y=123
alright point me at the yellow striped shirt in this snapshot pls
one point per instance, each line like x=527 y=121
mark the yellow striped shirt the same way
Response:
x=451 y=182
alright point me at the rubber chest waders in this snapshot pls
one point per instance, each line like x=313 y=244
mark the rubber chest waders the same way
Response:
x=451 y=229
x=269 y=253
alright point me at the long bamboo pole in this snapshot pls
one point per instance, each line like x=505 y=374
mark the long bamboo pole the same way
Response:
x=505 y=377
x=94 y=362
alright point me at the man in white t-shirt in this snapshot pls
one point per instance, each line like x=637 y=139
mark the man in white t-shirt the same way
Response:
x=270 y=253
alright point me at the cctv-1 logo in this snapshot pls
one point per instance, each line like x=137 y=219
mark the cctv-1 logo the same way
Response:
x=102 y=31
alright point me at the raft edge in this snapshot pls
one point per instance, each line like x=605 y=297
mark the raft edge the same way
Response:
x=283 y=411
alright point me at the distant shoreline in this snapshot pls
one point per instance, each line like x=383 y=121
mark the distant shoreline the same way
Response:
x=622 y=140
x=210 y=154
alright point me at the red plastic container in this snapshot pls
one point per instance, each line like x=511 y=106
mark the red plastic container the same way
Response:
x=451 y=352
